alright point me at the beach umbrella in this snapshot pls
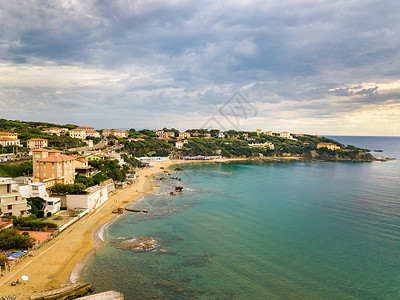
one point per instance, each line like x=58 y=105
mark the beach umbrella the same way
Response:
x=24 y=277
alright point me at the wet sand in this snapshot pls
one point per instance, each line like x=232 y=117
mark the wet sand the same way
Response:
x=52 y=265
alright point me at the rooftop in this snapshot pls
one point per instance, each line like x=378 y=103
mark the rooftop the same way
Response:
x=57 y=158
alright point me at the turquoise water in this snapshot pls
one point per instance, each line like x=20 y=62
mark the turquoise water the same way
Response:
x=274 y=230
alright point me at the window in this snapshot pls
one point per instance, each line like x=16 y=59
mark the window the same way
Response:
x=9 y=207
x=16 y=198
x=22 y=212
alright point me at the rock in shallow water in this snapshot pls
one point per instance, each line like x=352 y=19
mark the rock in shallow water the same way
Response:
x=138 y=244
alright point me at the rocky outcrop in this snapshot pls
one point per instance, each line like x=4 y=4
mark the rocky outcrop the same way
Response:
x=68 y=292
x=138 y=244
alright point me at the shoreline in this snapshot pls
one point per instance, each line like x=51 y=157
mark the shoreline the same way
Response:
x=63 y=259
x=52 y=265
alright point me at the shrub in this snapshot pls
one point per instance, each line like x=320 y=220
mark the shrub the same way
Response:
x=11 y=239
x=48 y=214
x=40 y=214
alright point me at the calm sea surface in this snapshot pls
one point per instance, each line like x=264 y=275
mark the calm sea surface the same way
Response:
x=273 y=230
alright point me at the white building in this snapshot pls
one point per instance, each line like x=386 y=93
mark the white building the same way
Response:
x=285 y=134
x=152 y=159
x=179 y=144
x=11 y=201
x=93 y=133
x=96 y=196
x=38 y=189
x=221 y=135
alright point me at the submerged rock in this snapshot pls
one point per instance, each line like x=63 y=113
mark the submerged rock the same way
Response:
x=138 y=244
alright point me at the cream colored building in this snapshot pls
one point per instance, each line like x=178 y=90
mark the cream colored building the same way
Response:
x=268 y=145
x=93 y=133
x=119 y=133
x=11 y=201
x=184 y=135
x=9 y=139
x=330 y=146
x=78 y=133
x=37 y=143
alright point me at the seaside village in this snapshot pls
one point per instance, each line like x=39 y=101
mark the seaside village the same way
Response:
x=52 y=167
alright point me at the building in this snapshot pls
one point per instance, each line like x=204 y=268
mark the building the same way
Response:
x=259 y=131
x=78 y=133
x=221 y=135
x=268 y=133
x=82 y=167
x=5 y=142
x=179 y=144
x=95 y=157
x=51 y=167
x=37 y=143
x=169 y=134
x=92 y=133
x=38 y=189
x=184 y=135
x=11 y=201
x=330 y=146
x=55 y=130
x=285 y=134
x=10 y=135
x=268 y=145
x=85 y=128
x=106 y=132
x=119 y=133
x=153 y=159
x=96 y=195
x=9 y=139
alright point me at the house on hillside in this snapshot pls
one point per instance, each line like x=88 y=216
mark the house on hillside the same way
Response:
x=11 y=201
x=37 y=143
x=38 y=189
x=330 y=146
x=9 y=139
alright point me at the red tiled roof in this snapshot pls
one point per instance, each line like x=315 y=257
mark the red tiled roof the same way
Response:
x=7 y=139
x=57 y=158
x=37 y=140
x=8 y=133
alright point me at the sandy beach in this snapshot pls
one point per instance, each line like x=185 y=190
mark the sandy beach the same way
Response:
x=52 y=265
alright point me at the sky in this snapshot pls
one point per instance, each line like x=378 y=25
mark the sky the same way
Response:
x=304 y=66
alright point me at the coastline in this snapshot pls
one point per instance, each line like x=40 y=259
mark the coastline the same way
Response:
x=54 y=264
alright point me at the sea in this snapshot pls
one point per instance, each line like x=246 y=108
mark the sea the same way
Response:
x=263 y=230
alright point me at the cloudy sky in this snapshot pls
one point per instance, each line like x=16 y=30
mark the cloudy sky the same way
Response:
x=315 y=66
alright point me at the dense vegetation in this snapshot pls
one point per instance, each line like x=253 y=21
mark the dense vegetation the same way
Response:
x=148 y=147
x=91 y=181
x=10 y=239
x=110 y=168
x=16 y=170
x=64 y=189
x=29 y=130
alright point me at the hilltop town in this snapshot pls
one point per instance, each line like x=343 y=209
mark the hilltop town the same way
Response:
x=77 y=164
